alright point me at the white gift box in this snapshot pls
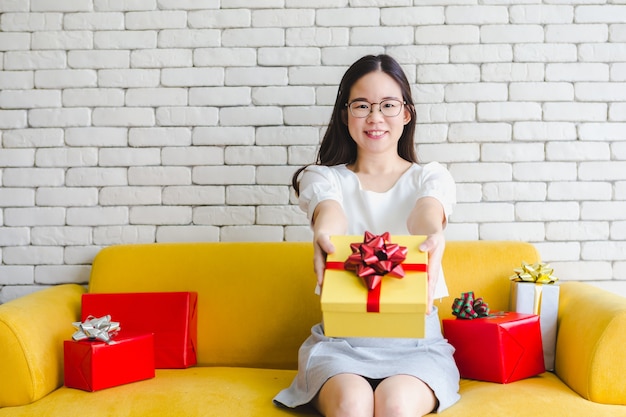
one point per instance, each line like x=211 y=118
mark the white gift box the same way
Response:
x=543 y=300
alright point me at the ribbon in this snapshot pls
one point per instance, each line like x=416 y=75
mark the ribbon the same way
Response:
x=466 y=307
x=374 y=258
x=96 y=328
x=539 y=273
x=538 y=294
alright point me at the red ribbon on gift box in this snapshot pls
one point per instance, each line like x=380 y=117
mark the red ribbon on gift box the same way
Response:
x=374 y=258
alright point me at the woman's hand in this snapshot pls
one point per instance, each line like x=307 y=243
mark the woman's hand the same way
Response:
x=428 y=218
x=435 y=245
x=321 y=247
x=328 y=219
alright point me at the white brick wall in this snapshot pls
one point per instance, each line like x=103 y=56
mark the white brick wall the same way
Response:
x=130 y=121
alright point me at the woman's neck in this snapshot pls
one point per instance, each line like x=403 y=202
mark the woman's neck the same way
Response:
x=379 y=176
x=379 y=166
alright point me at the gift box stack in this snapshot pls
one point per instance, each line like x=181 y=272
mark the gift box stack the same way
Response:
x=375 y=286
x=505 y=347
x=124 y=337
x=500 y=347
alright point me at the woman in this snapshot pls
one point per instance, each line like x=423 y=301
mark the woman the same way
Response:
x=366 y=178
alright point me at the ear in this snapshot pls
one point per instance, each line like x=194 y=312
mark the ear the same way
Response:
x=407 y=115
x=344 y=116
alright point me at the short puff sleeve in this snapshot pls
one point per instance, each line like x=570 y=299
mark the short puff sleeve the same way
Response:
x=437 y=182
x=318 y=183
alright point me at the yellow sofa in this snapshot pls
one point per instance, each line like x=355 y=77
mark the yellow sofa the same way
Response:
x=256 y=306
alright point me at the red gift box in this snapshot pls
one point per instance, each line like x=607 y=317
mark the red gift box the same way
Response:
x=95 y=365
x=171 y=316
x=500 y=348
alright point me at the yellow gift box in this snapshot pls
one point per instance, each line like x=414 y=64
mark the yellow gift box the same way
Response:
x=401 y=304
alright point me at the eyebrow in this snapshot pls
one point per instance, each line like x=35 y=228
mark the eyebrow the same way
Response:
x=383 y=99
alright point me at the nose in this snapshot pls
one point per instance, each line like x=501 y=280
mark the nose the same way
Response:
x=375 y=113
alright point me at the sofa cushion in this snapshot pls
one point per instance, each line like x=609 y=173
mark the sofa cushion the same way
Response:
x=248 y=392
x=173 y=392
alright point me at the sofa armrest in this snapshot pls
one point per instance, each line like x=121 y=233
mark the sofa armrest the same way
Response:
x=590 y=342
x=32 y=330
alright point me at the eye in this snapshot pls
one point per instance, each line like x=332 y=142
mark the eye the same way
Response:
x=390 y=104
x=358 y=105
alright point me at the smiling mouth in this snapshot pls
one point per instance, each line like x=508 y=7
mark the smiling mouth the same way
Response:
x=375 y=133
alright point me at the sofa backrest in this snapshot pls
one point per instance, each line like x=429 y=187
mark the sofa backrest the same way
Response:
x=256 y=301
x=483 y=267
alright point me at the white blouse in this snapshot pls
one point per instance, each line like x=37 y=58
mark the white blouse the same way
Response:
x=373 y=211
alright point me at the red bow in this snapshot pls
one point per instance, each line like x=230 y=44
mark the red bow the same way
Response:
x=376 y=257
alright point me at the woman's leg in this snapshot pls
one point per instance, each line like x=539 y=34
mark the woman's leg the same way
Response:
x=403 y=395
x=345 y=395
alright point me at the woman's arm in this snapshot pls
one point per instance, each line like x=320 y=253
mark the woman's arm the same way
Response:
x=428 y=218
x=328 y=219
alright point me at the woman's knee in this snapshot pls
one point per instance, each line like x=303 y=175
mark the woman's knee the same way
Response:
x=403 y=395
x=345 y=395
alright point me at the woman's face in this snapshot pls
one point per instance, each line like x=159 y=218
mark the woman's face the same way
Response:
x=376 y=133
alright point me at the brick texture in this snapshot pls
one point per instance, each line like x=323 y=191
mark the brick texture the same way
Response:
x=177 y=120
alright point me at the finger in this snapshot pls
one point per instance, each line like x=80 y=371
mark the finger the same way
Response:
x=319 y=273
x=433 y=277
x=322 y=246
x=431 y=296
x=325 y=244
x=319 y=263
x=426 y=245
x=430 y=243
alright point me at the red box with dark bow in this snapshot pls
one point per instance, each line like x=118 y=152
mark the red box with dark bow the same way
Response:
x=502 y=347
x=95 y=365
x=170 y=316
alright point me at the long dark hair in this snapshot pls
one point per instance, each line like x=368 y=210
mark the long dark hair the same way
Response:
x=337 y=146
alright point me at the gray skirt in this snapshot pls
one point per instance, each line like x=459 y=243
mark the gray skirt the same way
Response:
x=429 y=359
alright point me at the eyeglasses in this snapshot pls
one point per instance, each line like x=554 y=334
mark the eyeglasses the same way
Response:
x=362 y=109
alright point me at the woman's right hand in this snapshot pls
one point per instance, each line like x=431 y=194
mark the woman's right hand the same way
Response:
x=321 y=247
x=328 y=219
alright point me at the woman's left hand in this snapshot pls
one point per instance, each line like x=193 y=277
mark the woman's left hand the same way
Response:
x=435 y=245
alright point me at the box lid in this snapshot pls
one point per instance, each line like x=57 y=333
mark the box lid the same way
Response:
x=344 y=291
